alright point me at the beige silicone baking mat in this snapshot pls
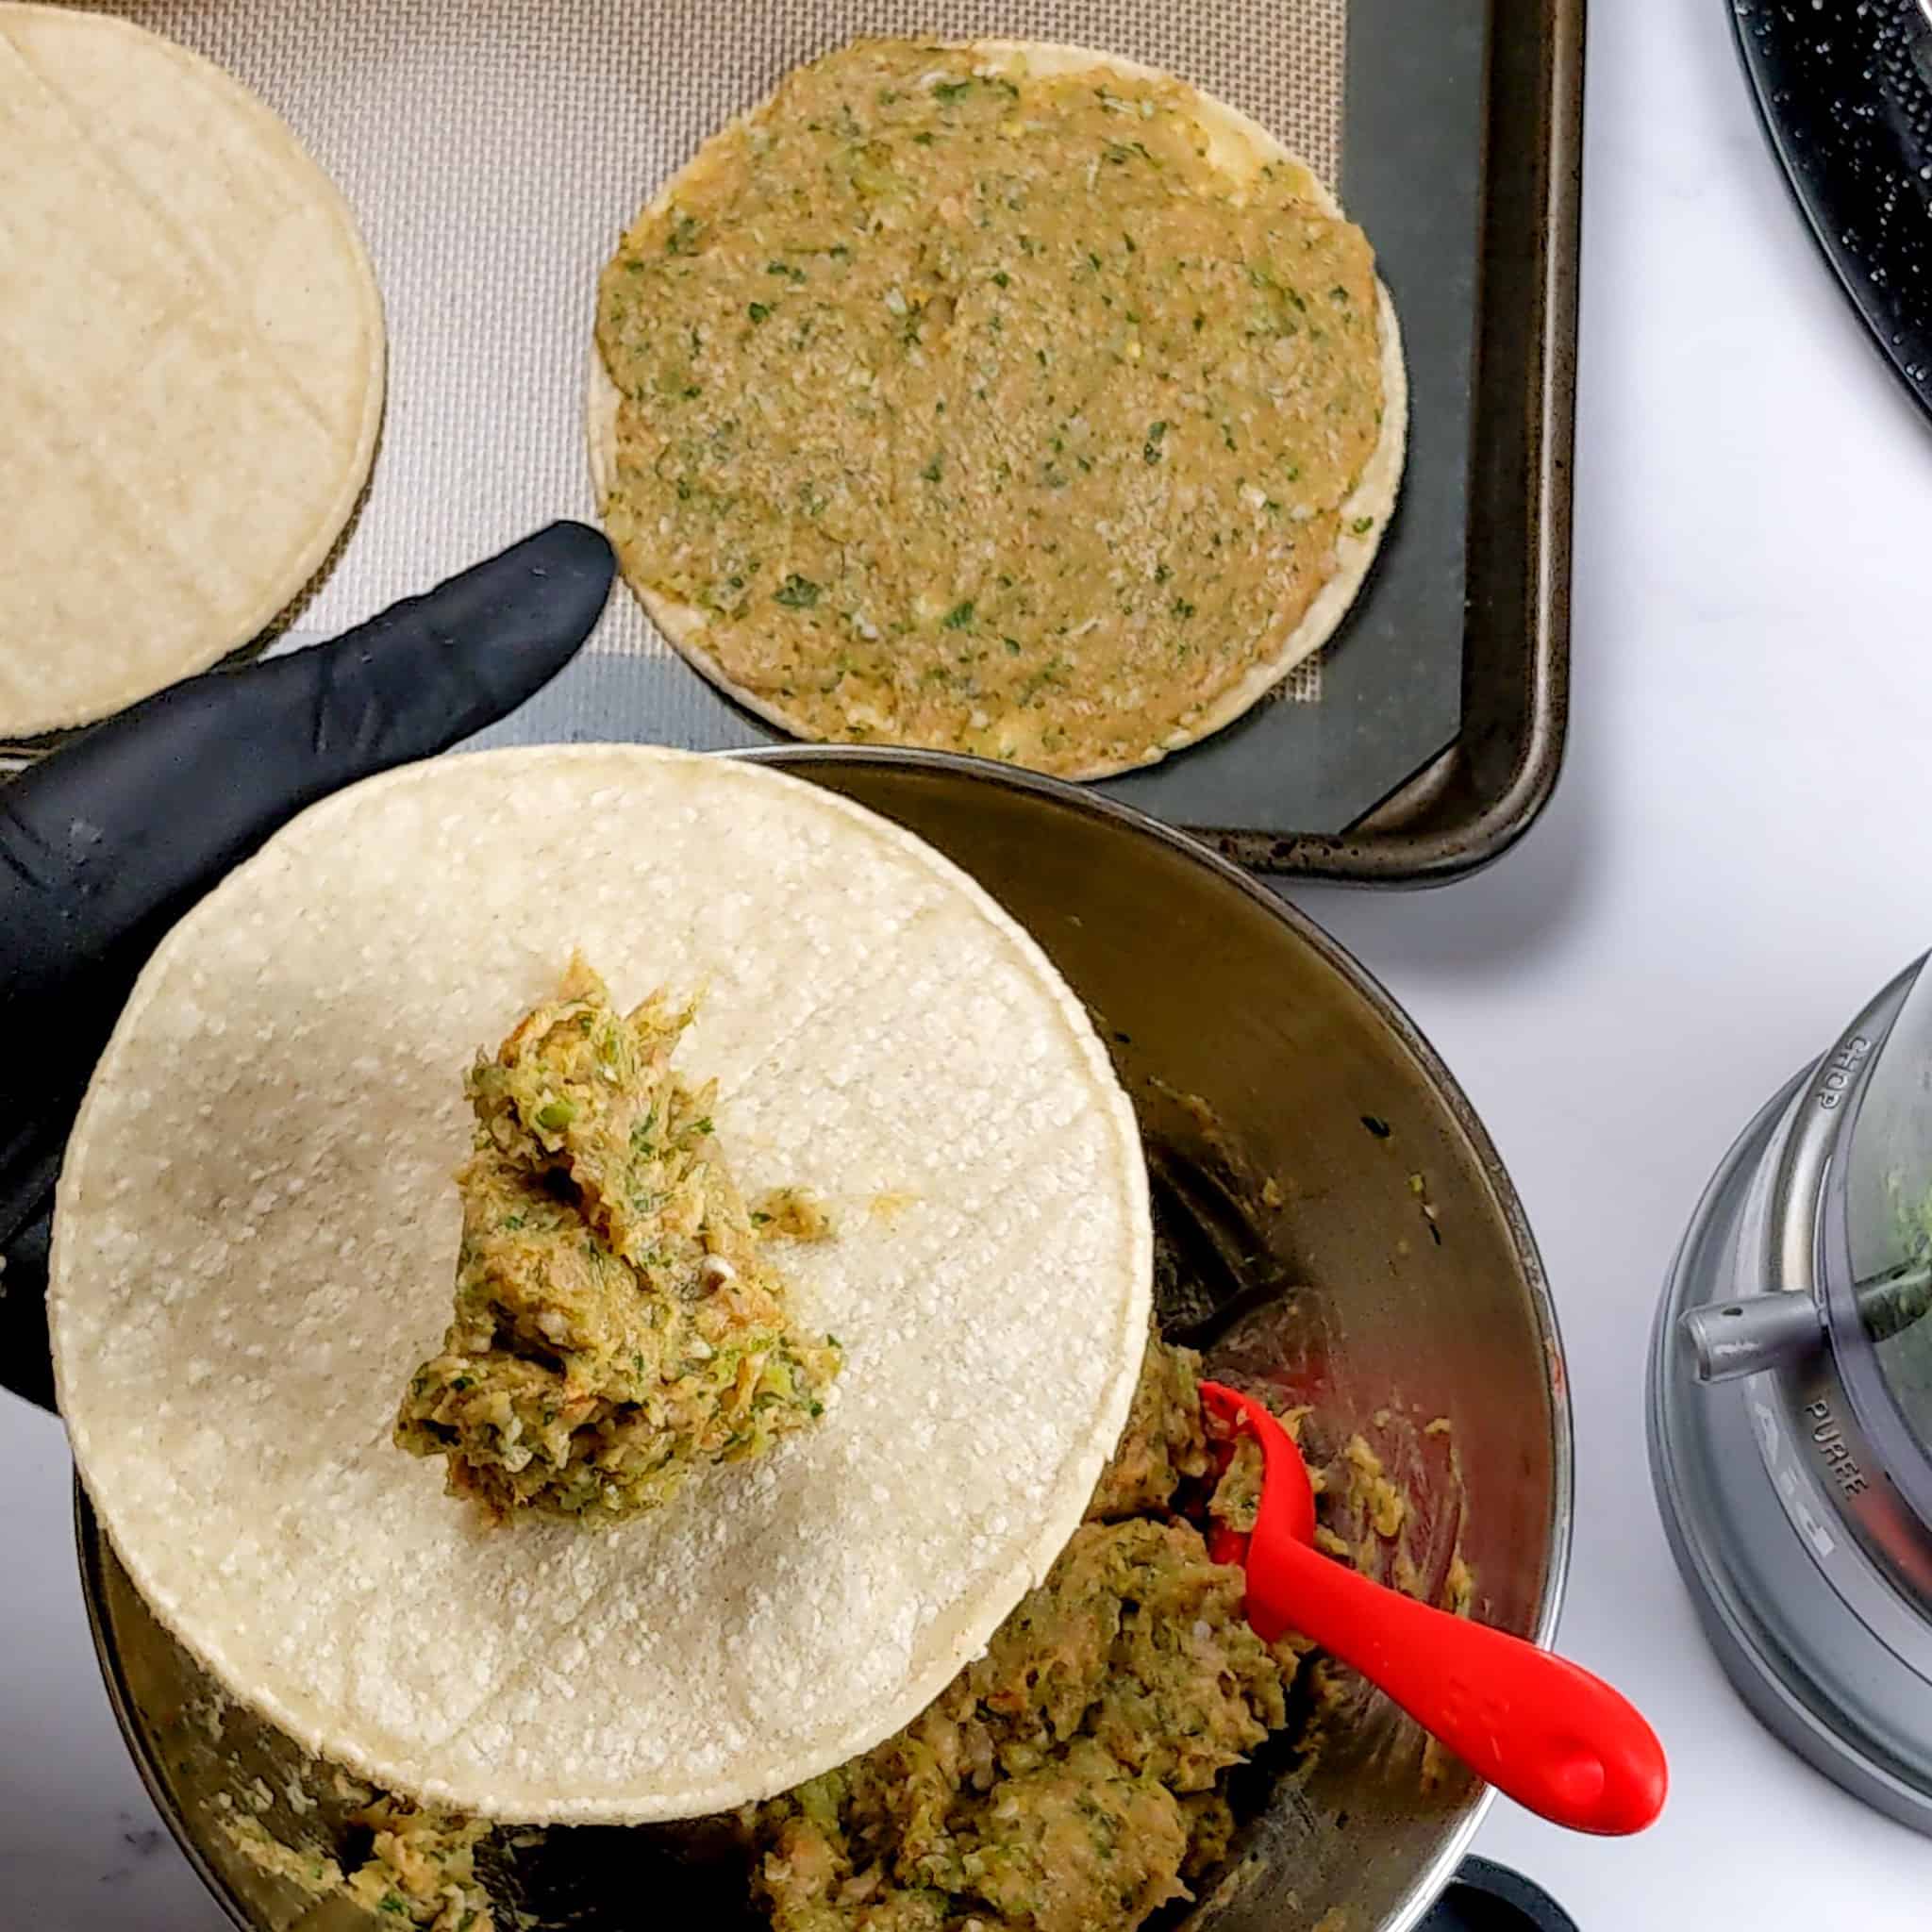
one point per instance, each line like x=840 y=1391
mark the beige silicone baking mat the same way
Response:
x=493 y=150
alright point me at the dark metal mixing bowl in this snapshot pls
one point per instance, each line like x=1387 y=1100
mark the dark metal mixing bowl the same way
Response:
x=1333 y=1219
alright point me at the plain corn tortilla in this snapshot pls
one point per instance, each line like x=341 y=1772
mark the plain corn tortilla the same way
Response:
x=257 y=1230
x=1241 y=146
x=191 y=365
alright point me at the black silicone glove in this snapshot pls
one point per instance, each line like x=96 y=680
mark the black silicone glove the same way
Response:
x=105 y=843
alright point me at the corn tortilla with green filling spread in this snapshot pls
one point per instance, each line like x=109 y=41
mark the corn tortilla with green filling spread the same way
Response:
x=256 y=1230
x=1000 y=399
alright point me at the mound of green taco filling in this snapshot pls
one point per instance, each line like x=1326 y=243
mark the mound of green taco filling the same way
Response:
x=1070 y=1779
x=617 y=1325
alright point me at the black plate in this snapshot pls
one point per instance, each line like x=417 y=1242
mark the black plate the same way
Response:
x=1845 y=93
x=1488 y=1897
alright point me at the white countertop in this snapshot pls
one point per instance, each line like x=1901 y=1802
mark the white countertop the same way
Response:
x=1737 y=857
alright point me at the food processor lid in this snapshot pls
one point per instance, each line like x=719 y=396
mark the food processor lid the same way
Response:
x=1875 y=1260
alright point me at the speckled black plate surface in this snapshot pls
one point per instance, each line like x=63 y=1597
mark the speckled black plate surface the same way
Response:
x=1845 y=92
x=1487 y=1897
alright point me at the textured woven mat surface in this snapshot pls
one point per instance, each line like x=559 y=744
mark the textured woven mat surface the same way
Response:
x=495 y=149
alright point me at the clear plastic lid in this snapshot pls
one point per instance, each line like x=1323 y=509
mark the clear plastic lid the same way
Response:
x=1878 y=1265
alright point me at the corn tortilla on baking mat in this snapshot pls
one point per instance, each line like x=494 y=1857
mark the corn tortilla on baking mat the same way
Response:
x=493 y=150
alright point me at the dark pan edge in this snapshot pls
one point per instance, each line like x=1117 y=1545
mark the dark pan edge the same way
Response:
x=91 y=1541
x=1467 y=808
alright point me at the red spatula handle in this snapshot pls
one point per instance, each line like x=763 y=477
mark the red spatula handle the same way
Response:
x=1554 y=1737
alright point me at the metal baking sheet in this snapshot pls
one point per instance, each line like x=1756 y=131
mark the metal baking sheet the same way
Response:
x=493 y=150
x=1473 y=801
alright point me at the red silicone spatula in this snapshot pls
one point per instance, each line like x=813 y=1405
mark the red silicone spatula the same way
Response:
x=1554 y=1737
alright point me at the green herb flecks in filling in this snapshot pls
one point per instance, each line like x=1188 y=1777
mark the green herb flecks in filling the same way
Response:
x=1132 y=365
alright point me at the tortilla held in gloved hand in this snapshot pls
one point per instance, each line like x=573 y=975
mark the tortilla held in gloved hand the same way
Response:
x=258 y=1231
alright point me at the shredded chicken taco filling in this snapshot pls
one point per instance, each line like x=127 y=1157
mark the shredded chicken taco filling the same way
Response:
x=1073 y=1779
x=618 y=1325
